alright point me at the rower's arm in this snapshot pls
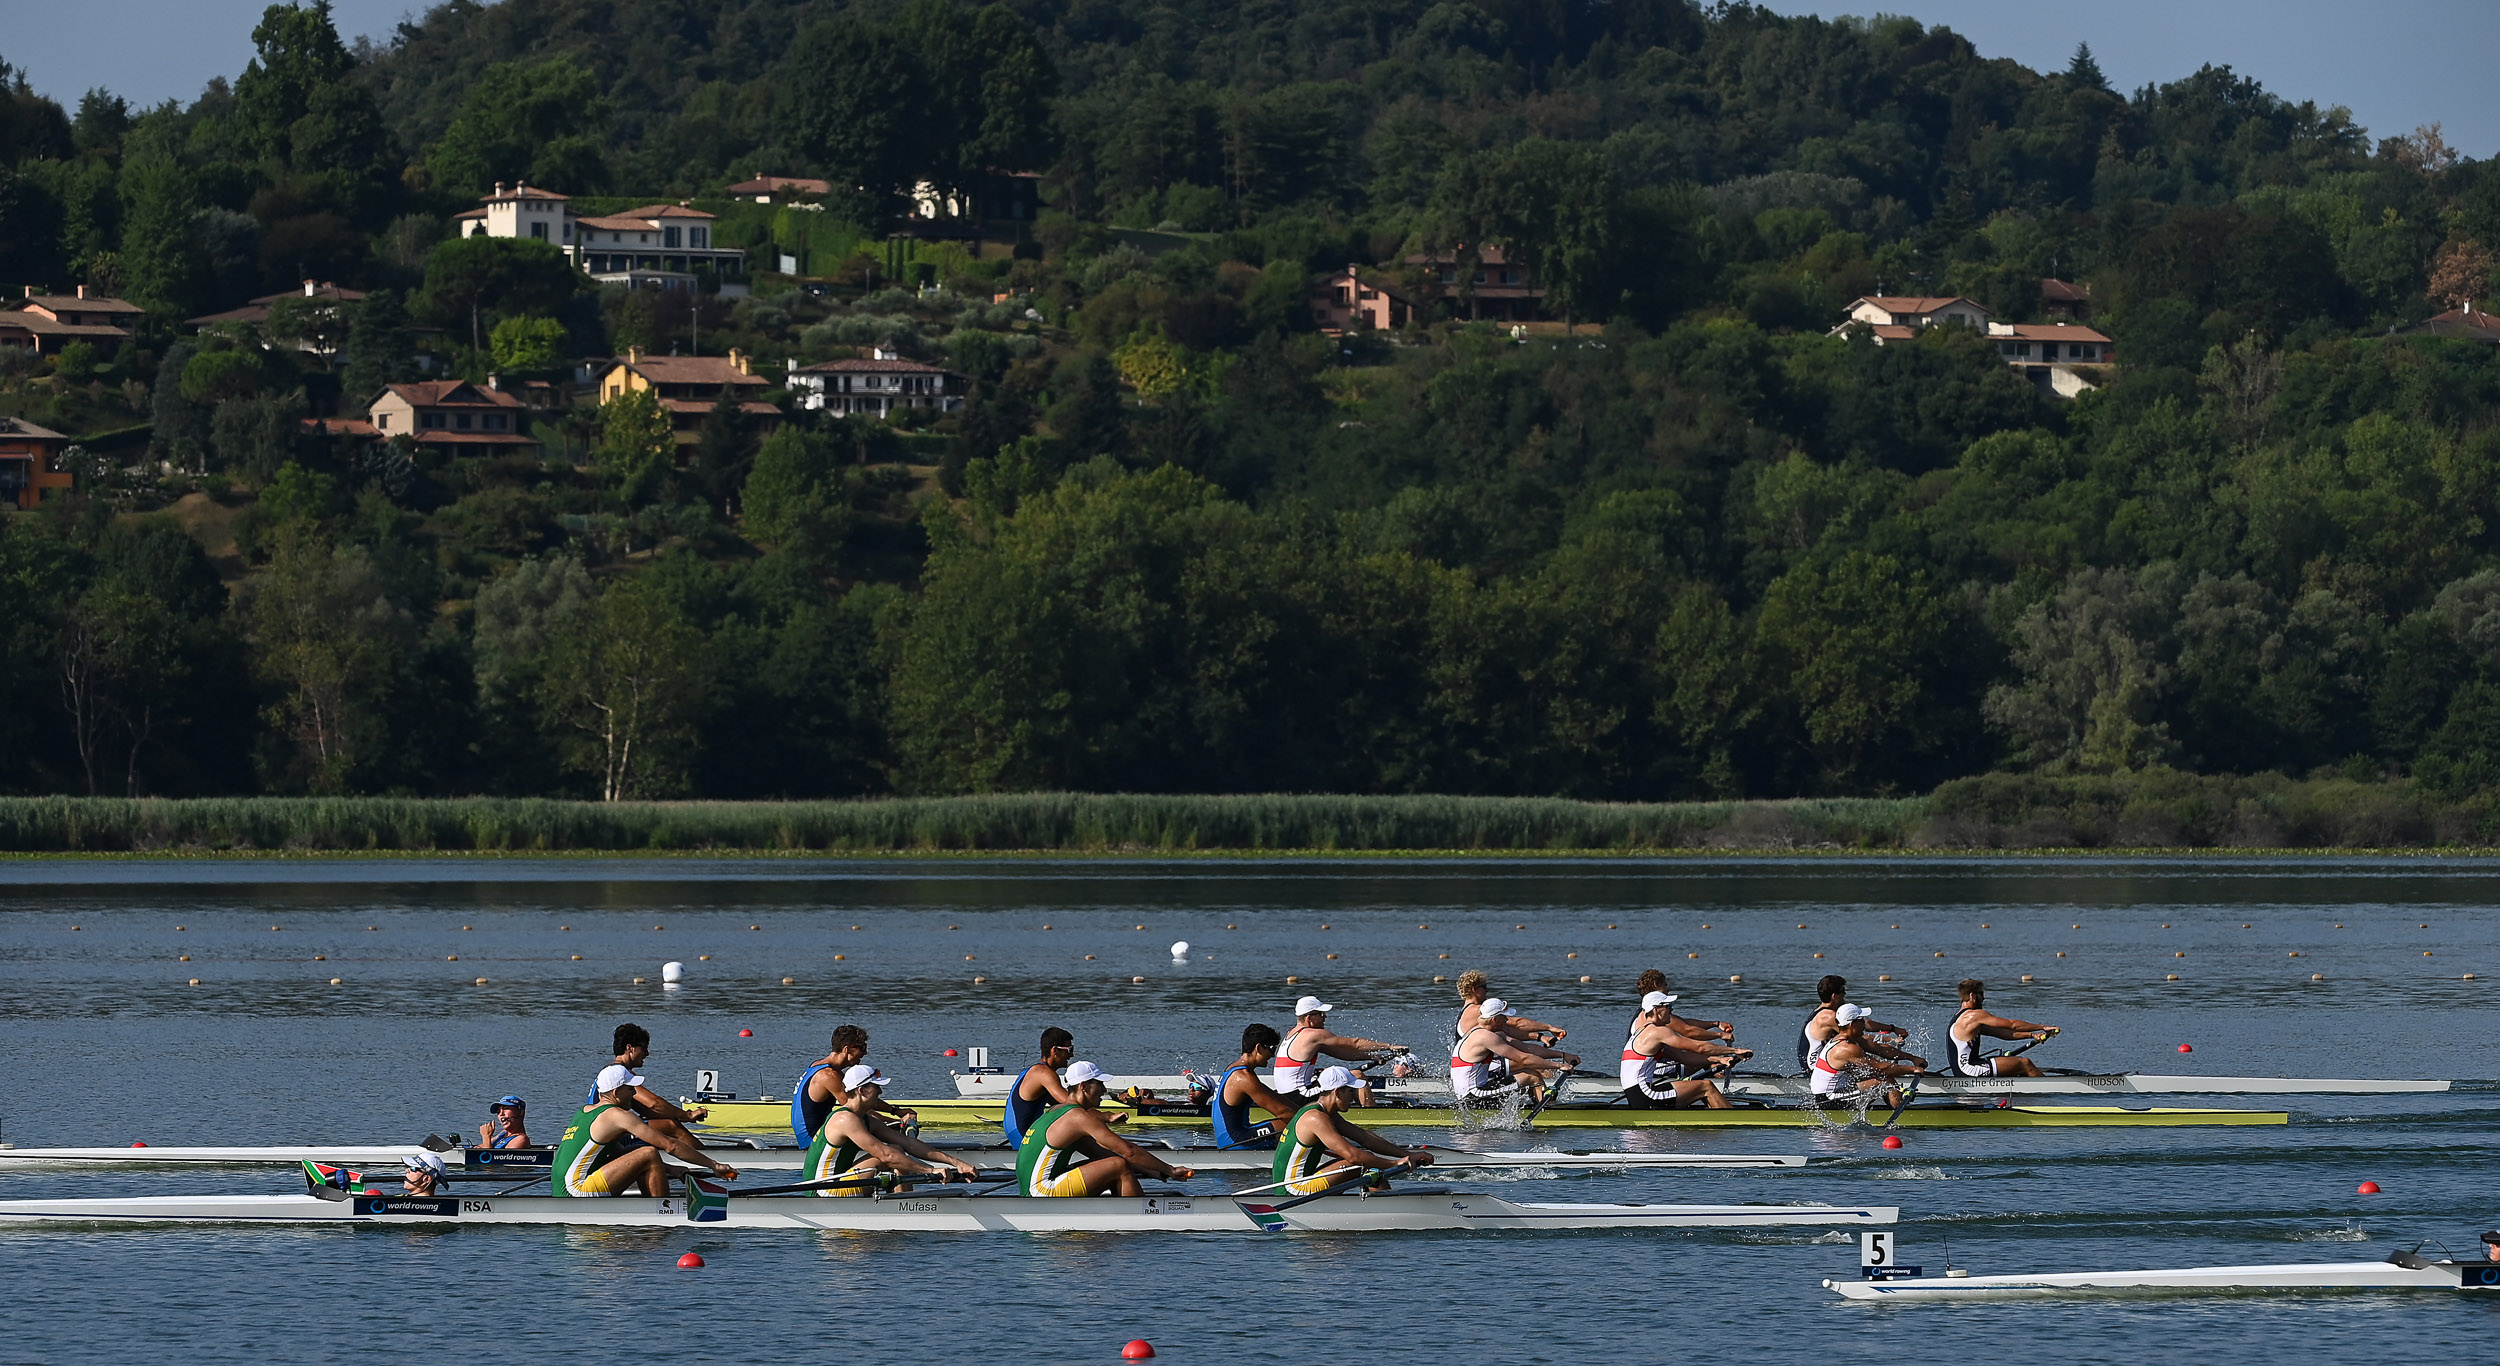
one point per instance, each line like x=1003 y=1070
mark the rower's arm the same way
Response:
x=667 y=1141
x=657 y=1108
x=1525 y=1026
x=1339 y=1046
x=1265 y=1097
x=1998 y=1027
x=1099 y=1129
x=1360 y=1146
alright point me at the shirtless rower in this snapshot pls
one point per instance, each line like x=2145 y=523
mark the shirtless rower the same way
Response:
x=632 y=1044
x=609 y=1148
x=1820 y=1027
x=1653 y=980
x=1977 y=1022
x=1071 y=1149
x=1242 y=1088
x=1846 y=1072
x=1298 y=1055
x=1473 y=988
x=1489 y=1062
x=1321 y=1144
x=857 y=1141
x=1664 y=1067
x=1038 y=1087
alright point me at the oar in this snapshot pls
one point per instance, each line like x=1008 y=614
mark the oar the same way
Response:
x=866 y=1179
x=1900 y=1097
x=1266 y=1216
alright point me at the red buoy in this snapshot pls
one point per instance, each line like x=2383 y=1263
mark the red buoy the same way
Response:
x=1138 y=1349
x=746 y=1033
x=950 y=1052
x=2185 y=1049
x=138 y=1145
x=691 y=1260
x=1892 y=1140
x=2369 y=1188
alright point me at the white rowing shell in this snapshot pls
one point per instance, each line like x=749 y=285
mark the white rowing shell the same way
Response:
x=2205 y=1279
x=983 y=1085
x=789 y=1159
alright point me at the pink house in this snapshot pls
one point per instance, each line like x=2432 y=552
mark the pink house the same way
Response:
x=1347 y=302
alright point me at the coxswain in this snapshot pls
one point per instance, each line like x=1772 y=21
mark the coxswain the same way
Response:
x=632 y=1045
x=1038 y=1087
x=1820 y=1027
x=1071 y=1149
x=1242 y=1087
x=1473 y=989
x=819 y=1088
x=1653 y=980
x=1977 y=1022
x=1664 y=1067
x=1845 y=1072
x=1321 y=1144
x=1489 y=1063
x=857 y=1141
x=1298 y=1054
x=509 y=1127
x=609 y=1148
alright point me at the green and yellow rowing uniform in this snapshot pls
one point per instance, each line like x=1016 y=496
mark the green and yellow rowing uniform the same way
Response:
x=1042 y=1169
x=953 y=1113
x=827 y=1161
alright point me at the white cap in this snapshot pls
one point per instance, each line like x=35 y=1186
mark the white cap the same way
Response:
x=1493 y=1005
x=1851 y=1014
x=1334 y=1077
x=1654 y=1000
x=861 y=1074
x=1079 y=1073
x=616 y=1076
x=424 y=1161
x=1309 y=1004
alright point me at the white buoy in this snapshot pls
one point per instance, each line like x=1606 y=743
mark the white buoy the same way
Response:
x=1180 y=948
x=672 y=972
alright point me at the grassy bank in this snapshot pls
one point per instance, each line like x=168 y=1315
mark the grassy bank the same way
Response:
x=1994 y=812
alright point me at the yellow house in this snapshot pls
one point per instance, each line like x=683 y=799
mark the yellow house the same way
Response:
x=688 y=386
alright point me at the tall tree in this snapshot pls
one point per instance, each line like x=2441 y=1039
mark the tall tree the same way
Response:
x=299 y=57
x=627 y=679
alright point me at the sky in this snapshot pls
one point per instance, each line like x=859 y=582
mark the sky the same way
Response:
x=2396 y=64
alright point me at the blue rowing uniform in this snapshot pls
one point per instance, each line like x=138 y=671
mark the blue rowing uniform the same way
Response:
x=505 y=1141
x=1019 y=1114
x=1233 y=1126
x=808 y=1115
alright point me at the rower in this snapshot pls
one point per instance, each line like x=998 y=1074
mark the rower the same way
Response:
x=633 y=1046
x=1977 y=1022
x=1845 y=1071
x=1473 y=989
x=855 y=1141
x=819 y=1088
x=1820 y=1027
x=509 y=1127
x=1242 y=1088
x=424 y=1171
x=1038 y=1087
x=1489 y=1063
x=609 y=1148
x=1653 y=980
x=1071 y=1150
x=2491 y=1245
x=1298 y=1054
x=1320 y=1132
x=1664 y=1067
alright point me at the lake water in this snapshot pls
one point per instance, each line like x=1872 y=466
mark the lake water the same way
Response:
x=105 y=1042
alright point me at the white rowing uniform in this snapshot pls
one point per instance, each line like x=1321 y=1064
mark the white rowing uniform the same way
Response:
x=1827 y=1079
x=1654 y=1078
x=1294 y=1076
x=1806 y=1042
x=1475 y=1080
x=1967 y=1059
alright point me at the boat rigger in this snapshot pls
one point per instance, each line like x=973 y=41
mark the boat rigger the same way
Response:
x=941 y=1211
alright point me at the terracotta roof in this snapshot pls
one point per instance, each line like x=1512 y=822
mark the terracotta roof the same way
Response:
x=705 y=405
x=520 y=190
x=478 y=215
x=81 y=303
x=340 y=426
x=617 y=224
x=1893 y=331
x=2471 y=324
x=451 y=393
x=323 y=290
x=774 y=184
x=714 y=370
x=27 y=320
x=436 y=436
x=874 y=367
x=2059 y=291
x=1906 y=303
x=20 y=427
x=648 y=211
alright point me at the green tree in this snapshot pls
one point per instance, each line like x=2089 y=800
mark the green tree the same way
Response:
x=380 y=349
x=1850 y=650
x=2093 y=676
x=299 y=56
x=471 y=277
x=120 y=672
x=849 y=90
x=160 y=267
x=626 y=679
x=328 y=643
x=637 y=447
x=535 y=121
x=522 y=342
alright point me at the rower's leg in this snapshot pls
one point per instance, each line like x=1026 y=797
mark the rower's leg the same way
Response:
x=1109 y=1175
x=640 y=1168
x=1706 y=1092
x=2017 y=1067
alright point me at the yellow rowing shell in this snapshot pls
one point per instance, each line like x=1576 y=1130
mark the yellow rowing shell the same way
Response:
x=757 y=1117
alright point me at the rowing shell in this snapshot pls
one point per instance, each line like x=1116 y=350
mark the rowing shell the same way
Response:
x=2401 y=1272
x=756 y=1117
x=1358 y=1212
x=522 y=1161
x=979 y=1085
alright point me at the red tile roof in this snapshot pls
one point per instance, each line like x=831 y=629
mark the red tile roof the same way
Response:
x=2059 y=291
x=2056 y=332
x=341 y=426
x=1906 y=303
x=693 y=370
x=453 y=393
x=649 y=211
x=869 y=367
x=75 y=303
x=20 y=427
x=774 y=184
